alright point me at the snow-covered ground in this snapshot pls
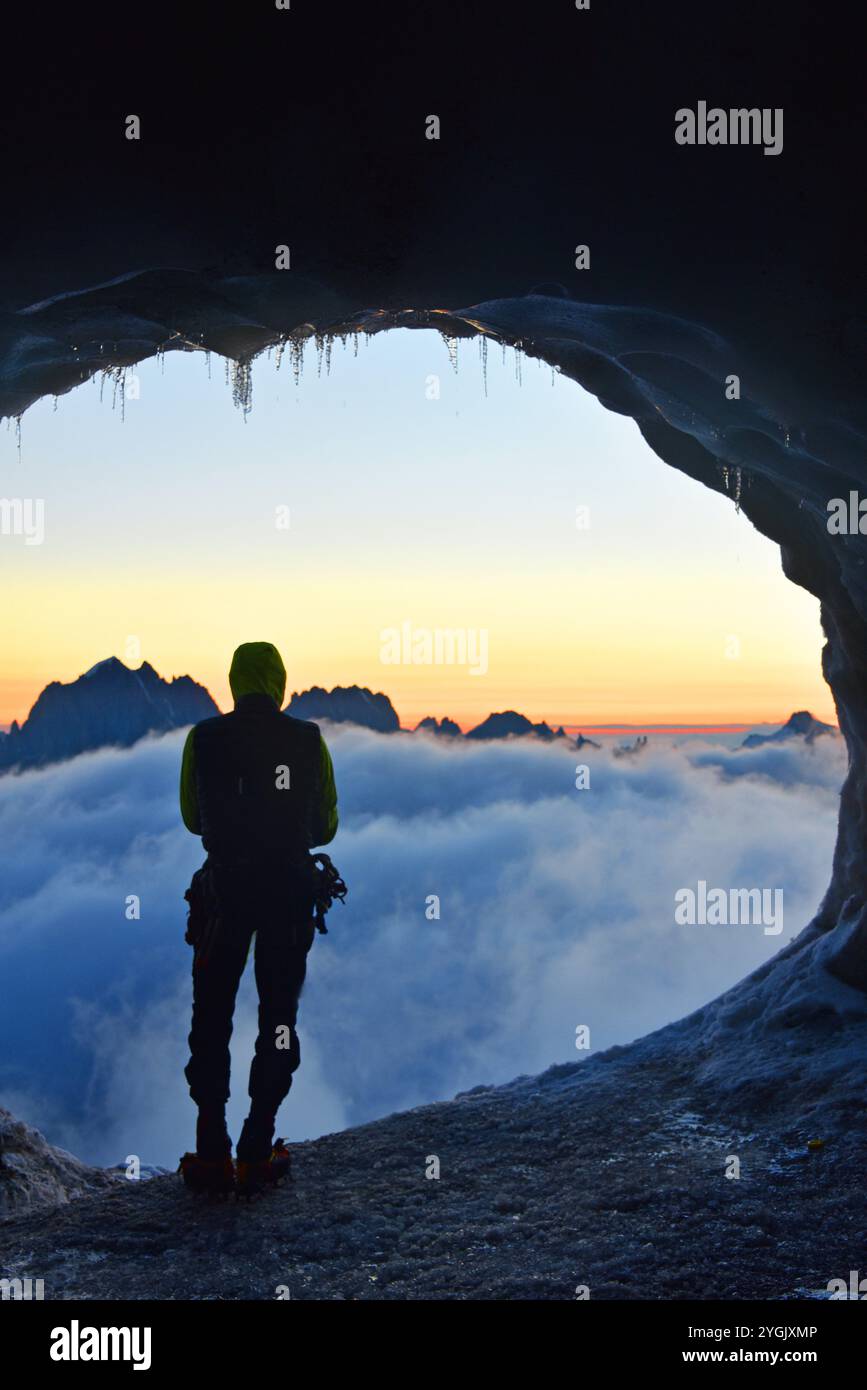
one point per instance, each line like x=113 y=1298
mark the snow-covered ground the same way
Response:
x=623 y=1177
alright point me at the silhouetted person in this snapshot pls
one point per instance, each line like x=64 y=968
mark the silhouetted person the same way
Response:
x=258 y=786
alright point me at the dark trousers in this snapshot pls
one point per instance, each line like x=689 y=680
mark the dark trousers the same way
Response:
x=281 y=919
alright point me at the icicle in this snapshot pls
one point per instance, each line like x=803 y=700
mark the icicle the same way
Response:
x=483 y=354
x=278 y=355
x=117 y=377
x=296 y=357
x=320 y=347
x=120 y=388
x=518 y=376
x=208 y=362
x=355 y=341
x=452 y=346
x=328 y=346
x=242 y=385
x=733 y=482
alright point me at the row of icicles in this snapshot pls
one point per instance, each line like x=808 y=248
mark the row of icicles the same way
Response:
x=239 y=377
x=239 y=371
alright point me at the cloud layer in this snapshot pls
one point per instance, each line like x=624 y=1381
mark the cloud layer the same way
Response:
x=556 y=911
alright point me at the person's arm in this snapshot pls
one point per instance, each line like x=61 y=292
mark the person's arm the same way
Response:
x=189 y=798
x=324 y=826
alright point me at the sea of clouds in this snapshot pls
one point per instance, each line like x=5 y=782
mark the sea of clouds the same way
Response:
x=556 y=912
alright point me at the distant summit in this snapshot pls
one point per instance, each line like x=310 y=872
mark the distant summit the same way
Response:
x=445 y=727
x=510 y=724
x=582 y=742
x=111 y=705
x=346 y=704
x=800 y=725
x=631 y=750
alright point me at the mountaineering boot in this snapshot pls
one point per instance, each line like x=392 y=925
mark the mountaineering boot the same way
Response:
x=257 y=1135
x=261 y=1160
x=210 y=1169
x=252 y=1176
x=213 y=1176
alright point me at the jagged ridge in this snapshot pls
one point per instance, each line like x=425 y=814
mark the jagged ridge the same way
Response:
x=111 y=705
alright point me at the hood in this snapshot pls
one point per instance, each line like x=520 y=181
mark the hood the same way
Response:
x=257 y=669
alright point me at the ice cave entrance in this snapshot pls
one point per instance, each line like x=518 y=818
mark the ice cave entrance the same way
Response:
x=478 y=543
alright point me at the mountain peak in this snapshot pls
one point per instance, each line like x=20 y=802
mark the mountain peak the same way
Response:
x=346 y=704
x=510 y=724
x=445 y=727
x=111 y=663
x=801 y=724
x=110 y=705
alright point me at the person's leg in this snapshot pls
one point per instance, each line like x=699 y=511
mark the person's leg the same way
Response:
x=281 y=966
x=216 y=976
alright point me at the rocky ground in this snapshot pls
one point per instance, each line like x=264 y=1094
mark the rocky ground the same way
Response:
x=609 y=1174
x=33 y=1173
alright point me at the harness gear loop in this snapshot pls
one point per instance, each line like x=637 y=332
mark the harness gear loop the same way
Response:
x=328 y=887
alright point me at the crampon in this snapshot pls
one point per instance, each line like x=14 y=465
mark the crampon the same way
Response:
x=252 y=1178
x=210 y=1177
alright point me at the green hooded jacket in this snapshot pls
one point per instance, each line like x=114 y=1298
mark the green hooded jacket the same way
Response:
x=257 y=668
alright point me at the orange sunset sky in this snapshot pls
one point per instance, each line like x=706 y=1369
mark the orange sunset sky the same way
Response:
x=366 y=498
